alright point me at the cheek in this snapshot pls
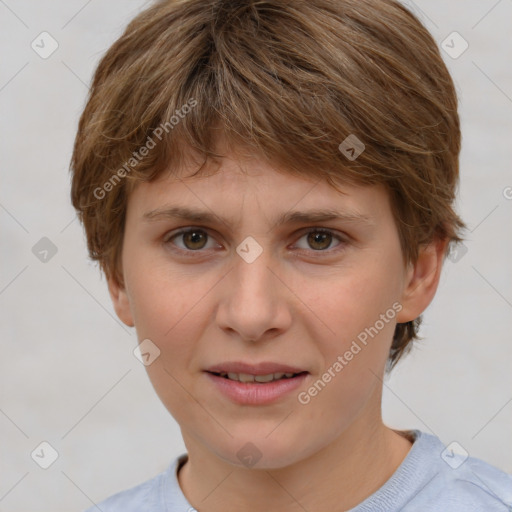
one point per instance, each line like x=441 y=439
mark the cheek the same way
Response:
x=168 y=310
x=353 y=357
x=162 y=300
x=356 y=301
x=360 y=310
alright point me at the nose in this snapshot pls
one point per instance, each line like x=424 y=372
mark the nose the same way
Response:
x=254 y=302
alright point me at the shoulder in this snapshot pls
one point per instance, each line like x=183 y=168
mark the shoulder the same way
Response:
x=477 y=485
x=140 y=498
x=460 y=482
x=150 y=496
x=435 y=477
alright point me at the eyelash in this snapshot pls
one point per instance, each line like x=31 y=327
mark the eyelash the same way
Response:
x=199 y=252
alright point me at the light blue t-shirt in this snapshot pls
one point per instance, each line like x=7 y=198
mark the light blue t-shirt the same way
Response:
x=432 y=478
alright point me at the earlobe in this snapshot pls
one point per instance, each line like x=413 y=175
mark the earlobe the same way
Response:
x=120 y=301
x=422 y=280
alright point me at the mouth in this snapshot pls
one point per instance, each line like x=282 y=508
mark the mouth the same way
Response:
x=256 y=384
x=255 y=372
x=261 y=379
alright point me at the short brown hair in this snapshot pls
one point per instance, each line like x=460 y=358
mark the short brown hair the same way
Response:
x=288 y=80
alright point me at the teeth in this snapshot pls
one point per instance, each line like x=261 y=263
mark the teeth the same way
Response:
x=264 y=378
x=245 y=377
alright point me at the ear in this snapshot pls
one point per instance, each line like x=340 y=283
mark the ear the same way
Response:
x=120 y=301
x=422 y=279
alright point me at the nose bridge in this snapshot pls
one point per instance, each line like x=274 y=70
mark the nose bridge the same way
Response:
x=253 y=302
x=251 y=279
x=251 y=272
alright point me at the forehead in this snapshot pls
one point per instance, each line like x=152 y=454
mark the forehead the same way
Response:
x=233 y=188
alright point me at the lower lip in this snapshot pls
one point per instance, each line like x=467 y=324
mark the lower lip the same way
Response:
x=249 y=393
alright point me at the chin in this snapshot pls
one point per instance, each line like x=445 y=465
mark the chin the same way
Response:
x=263 y=451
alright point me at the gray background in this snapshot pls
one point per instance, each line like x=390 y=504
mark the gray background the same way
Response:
x=68 y=375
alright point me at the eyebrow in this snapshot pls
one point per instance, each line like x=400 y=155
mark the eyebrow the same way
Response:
x=291 y=217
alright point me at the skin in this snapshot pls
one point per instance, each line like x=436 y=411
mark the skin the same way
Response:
x=300 y=303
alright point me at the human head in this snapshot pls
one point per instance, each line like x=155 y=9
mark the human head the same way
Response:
x=288 y=81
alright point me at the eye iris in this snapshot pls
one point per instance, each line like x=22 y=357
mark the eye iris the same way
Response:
x=316 y=238
x=194 y=239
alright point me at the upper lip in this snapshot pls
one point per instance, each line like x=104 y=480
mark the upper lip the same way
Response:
x=263 y=368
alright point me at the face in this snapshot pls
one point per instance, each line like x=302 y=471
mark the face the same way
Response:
x=261 y=273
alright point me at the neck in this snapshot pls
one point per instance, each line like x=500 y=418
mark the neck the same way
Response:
x=337 y=478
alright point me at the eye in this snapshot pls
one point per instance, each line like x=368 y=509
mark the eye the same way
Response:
x=193 y=239
x=319 y=239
